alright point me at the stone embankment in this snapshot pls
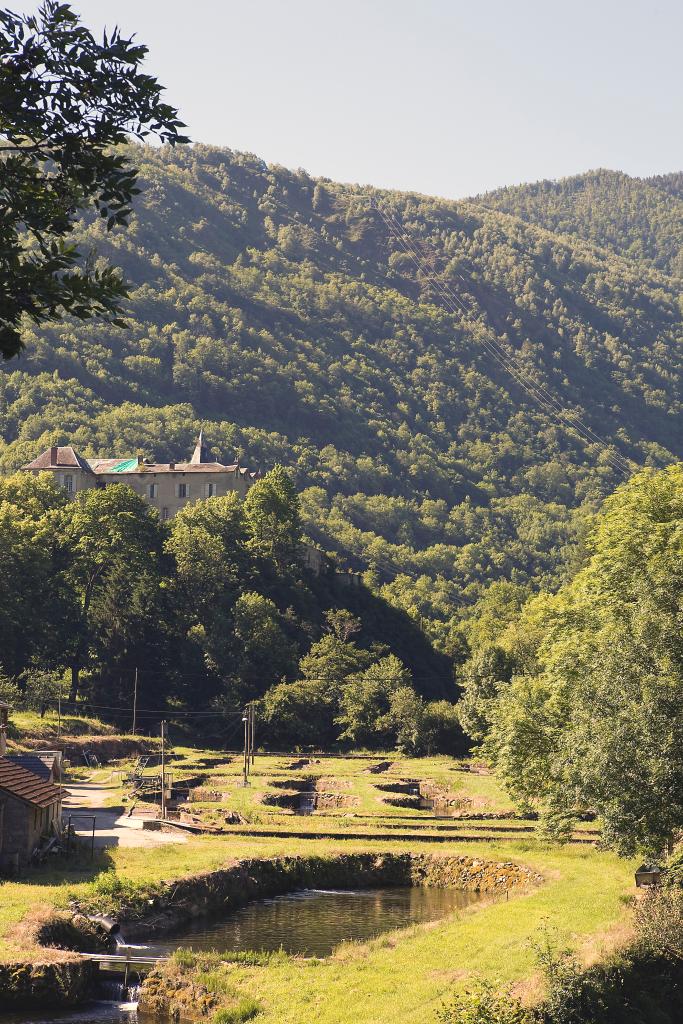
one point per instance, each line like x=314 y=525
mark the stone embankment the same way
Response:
x=311 y=794
x=51 y=975
x=35 y=985
x=230 y=887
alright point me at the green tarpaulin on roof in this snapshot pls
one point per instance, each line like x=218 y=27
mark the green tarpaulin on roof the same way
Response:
x=124 y=467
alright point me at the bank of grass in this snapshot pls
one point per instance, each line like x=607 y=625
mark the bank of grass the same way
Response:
x=405 y=975
x=581 y=894
x=482 y=791
x=30 y=725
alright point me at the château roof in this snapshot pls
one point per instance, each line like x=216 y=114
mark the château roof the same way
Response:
x=24 y=785
x=201 y=462
x=59 y=457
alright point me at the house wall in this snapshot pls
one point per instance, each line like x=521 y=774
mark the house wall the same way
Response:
x=80 y=480
x=22 y=827
x=167 y=497
x=196 y=484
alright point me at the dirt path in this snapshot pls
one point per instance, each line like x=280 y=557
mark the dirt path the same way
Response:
x=113 y=827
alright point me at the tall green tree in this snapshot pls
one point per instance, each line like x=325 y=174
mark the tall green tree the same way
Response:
x=213 y=566
x=599 y=724
x=365 y=701
x=113 y=538
x=66 y=101
x=271 y=510
x=36 y=606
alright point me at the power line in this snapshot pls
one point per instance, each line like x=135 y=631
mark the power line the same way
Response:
x=536 y=390
x=455 y=304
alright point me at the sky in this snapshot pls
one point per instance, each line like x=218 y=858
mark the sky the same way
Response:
x=445 y=97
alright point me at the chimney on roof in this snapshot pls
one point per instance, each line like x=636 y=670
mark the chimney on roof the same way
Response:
x=171 y=465
x=54 y=454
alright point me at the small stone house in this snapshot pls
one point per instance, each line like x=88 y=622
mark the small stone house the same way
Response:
x=30 y=808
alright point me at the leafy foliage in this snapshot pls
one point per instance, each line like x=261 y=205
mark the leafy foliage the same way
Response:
x=65 y=101
x=205 y=613
x=640 y=219
x=594 y=718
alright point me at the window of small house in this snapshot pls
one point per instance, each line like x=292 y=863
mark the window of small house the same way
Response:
x=183 y=490
x=68 y=482
x=164 y=513
x=211 y=490
x=153 y=490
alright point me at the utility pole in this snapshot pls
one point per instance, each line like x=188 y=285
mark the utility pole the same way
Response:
x=59 y=715
x=247 y=733
x=252 y=708
x=135 y=702
x=163 y=770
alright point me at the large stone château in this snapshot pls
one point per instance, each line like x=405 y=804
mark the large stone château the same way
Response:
x=168 y=487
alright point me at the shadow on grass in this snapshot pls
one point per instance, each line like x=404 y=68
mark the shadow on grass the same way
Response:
x=60 y=870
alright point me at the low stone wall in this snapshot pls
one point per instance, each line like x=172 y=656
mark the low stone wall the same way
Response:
x=35 y=985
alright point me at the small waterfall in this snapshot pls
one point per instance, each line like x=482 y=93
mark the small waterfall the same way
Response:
x=115 y=990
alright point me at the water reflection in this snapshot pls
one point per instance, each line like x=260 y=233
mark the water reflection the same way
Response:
x=312 y=921
x=96 y=1013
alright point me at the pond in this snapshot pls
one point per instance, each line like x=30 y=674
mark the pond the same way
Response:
x=311 y=922
x=96 y=1013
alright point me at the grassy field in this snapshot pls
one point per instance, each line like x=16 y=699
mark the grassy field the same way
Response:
x=582 y=897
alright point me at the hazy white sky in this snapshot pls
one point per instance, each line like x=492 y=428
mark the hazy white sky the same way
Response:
x=438 y=96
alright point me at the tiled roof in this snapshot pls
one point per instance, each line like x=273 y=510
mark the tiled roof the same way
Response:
x=67 y=458
x=24 y=785
x=104 y=466
x=40 y=765
x=59 y=458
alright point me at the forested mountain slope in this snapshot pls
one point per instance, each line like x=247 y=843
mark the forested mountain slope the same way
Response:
x=641 y=219
x=283 y=314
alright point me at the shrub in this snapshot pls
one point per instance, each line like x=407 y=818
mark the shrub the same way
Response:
x=483 y=1003
x=658 y=921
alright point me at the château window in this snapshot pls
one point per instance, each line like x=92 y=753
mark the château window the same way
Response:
x=183 y=490
x=164 y=513
x=211 y=490
x=153 y=490
x=68 y=482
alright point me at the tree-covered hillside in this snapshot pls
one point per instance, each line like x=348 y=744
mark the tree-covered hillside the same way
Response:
x=285 y=315
x=641 y=219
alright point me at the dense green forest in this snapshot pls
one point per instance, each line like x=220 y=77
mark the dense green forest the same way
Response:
x=212 y=610
x=639 y=219
x=284 y=314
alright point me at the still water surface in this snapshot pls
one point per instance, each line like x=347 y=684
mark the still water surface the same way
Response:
x=97 y=1013
x=313 y=921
